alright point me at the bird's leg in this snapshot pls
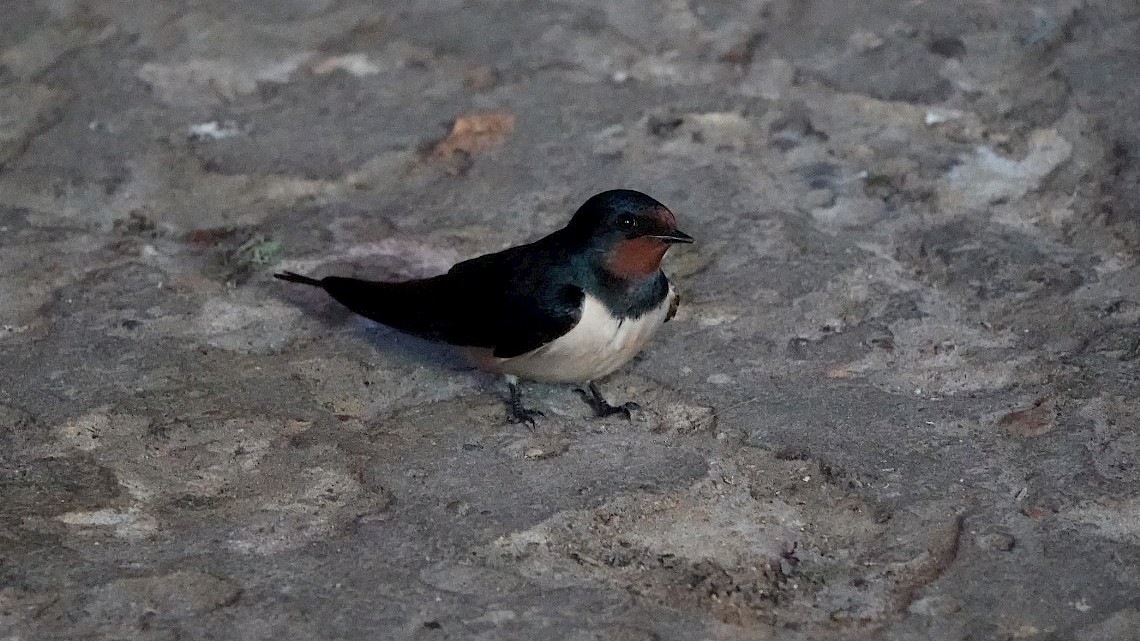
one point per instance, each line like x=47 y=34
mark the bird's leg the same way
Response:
x=516 y=413
x=601 y=406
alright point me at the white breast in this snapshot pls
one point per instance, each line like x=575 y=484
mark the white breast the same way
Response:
x=599 y=344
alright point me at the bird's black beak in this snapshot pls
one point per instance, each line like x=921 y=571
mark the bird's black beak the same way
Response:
x=675 y=236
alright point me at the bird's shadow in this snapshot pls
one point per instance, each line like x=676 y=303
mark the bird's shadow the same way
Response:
x=411 y=348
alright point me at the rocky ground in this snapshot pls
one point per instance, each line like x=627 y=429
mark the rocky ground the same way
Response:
x=900 y=401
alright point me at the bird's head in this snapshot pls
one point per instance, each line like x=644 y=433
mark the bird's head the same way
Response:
x=627 y=231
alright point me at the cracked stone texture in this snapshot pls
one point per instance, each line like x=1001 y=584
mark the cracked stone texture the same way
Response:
x=899 y=402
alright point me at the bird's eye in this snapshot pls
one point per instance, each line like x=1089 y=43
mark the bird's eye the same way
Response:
x=628 y=222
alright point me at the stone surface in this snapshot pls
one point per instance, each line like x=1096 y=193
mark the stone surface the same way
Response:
x=898 y=401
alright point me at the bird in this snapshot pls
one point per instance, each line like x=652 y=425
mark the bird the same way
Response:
x=570 y=307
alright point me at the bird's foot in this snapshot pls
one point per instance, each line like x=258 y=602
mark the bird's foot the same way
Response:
x=602 y=408
x=516 y=412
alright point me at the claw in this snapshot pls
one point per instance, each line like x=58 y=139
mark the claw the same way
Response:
x=520 y=414
x=516 y=412
x=602 y=408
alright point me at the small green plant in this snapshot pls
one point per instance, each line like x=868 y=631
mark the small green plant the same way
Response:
x=258 y=250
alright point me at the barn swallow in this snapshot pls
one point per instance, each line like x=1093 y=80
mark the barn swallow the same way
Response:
x=570 y=307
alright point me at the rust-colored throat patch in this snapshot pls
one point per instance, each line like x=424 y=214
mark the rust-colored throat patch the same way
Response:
x=637 y=258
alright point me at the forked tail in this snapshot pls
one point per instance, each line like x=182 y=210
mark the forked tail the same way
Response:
x=297 y=278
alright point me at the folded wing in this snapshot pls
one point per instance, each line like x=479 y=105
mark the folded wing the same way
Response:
x=512 y=302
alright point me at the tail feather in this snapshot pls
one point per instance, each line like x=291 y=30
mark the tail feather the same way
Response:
x=297 y=278
x=426 y=308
